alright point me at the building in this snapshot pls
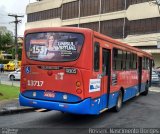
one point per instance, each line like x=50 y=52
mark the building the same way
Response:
x=136 y=22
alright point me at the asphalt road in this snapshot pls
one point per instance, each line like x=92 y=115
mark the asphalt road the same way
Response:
x=139 y=112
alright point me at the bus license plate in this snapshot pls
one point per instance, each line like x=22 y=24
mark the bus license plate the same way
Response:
x=49 y=94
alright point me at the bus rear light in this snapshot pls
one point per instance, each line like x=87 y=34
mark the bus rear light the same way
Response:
x=49 y=72
x=78 y=83
x=79 y=91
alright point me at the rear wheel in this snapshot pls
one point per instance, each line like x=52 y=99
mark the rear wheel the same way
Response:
x=12 y=77
x=146 y=90
x=119 y=102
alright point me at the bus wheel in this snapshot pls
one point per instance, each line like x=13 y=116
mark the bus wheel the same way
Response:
x=118 y=106
x=146 y=90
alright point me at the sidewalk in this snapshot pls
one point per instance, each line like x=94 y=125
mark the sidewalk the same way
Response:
x=12 y=106
x=5 y=72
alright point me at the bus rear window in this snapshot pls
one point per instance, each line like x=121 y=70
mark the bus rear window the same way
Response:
x=53 y=46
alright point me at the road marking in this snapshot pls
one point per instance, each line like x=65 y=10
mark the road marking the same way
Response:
x=155 y=90
x=41 y=110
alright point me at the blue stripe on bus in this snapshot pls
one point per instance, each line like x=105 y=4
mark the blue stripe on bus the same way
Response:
x=132 y=91
x=87 y=106
x=83 y=107
x=58 y=96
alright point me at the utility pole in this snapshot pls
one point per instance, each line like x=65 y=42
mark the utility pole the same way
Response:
x=124 y=19
x=16 y=44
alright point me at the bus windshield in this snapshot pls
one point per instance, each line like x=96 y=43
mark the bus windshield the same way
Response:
x=53 y=46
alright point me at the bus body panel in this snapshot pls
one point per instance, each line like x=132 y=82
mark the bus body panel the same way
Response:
x=52 y=80
x=86 y=106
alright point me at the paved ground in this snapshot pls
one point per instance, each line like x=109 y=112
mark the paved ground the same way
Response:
x=140 y=112
x=12 y=107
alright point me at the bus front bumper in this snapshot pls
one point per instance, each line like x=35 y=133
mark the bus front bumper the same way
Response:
x=83 y=107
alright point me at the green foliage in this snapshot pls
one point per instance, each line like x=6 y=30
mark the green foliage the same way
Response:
x=13 y=53
x=7 y=45
x=4 y=61
x=19 y=54
x=6 y=40
x=8 y=92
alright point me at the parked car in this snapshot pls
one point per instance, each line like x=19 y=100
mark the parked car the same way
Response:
x=157 y=71
x=11 y=65
x=15 y=75
x=155 y=77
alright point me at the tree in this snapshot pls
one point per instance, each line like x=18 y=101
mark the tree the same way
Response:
x=12 y=51
x=6 y=41
x=7 y=45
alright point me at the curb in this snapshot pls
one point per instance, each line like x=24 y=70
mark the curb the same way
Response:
x=14 y=111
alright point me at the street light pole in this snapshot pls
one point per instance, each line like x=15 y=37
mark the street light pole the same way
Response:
x=16 y=44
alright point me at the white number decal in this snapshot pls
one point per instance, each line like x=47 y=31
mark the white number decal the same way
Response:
x=35 y=83
x=37 y=49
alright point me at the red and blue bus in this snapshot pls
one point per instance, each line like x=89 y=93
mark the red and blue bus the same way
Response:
x=80 y=71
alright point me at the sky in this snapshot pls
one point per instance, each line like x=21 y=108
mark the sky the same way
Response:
x=14 y=7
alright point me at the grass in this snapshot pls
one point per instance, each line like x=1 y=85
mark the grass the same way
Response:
x=8 y=92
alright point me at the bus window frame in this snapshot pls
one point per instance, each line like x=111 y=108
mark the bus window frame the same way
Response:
x=84 y=38
x=115 y=59
x=96 y=69
x=145 y=63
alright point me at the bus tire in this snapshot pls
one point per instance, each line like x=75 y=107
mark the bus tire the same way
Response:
x=118 y=106
x=146 y=90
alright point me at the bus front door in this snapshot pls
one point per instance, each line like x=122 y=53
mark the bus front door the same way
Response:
x=106 y=73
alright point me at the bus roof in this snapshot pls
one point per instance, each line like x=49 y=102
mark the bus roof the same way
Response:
x=65 y=29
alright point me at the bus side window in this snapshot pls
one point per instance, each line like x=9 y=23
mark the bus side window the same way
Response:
x=128 y=61
x=135 y=62
x=117 y=59
x=145 y=62
x=96 y=56
x=124 y=60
